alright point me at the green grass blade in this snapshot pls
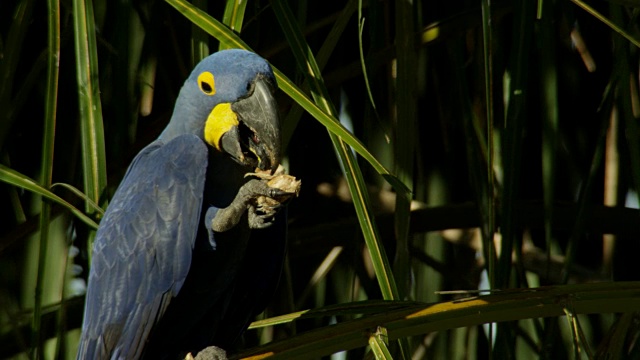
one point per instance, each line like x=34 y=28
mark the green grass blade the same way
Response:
x=378 y=343
x=91 y=124
x=14 y=178
x=512 y=142
x=512 y=150
x=352 y=171
x=207 y=23
x=223 y=34
x=613 y=346
x=405 y=134
x=365 y=307
x=82 y=196
x=335 y=33
x=327 y=48
x=46 y=166
x=199 y=38
x=550 y=116
x=363 y=64
x=277 y=320
x=490 y=182
x=607 y=22
x=233 y=17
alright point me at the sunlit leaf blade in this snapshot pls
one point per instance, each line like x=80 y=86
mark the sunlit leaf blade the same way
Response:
x=233 y=17
x=363 y=63
x=277 y=320
x=91 y=125
x=14 y=178
x=620 y=297
x=366 y=307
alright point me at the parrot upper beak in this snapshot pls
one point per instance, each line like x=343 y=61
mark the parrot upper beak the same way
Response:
x=255 y=141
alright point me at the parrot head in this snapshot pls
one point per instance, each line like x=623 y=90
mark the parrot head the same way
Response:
x=228 y=101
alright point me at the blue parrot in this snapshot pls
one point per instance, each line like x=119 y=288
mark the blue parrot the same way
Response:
x=183 y=259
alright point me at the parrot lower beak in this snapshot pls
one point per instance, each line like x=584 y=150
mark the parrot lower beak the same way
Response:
x=255 y=141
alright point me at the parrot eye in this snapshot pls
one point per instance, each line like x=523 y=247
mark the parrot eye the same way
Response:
x=206 y=88
x=207 y=83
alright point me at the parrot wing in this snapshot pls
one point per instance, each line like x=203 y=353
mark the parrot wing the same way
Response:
x=143 y=248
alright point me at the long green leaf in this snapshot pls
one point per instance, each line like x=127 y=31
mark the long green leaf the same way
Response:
x=46 y=165
x=91 y=124
x=599 y=298
x=550 y=119
x=13 y=177
x=223 y=34
x=199 y=38
x=607 y=22
x=356 y=184
x=487 y=239
x=233 y=17
x=363 y=63
x=322 y=57
x=404 y=144
x=378 y=343
x=80 y=195
x=512 y=140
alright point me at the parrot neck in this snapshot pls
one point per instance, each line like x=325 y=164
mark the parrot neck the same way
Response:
x=187 y=118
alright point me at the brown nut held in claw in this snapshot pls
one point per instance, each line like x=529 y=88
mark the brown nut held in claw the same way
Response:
x=278 y=180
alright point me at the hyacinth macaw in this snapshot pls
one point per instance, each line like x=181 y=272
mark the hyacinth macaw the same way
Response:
x=181 y=259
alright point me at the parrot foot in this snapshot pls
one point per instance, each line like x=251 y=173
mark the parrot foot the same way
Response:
x=262 y=217
x=253 y=189
x=209 y=353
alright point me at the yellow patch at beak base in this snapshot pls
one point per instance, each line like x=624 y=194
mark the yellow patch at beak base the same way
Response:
x=220 y=120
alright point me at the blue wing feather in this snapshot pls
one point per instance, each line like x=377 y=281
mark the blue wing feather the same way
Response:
x=143 y=248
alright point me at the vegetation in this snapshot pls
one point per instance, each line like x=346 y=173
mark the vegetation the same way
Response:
x=475 y=195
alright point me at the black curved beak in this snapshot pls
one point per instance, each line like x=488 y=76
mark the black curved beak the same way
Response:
x=255 y=141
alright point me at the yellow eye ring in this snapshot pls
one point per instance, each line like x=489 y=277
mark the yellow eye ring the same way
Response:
x=206 y=83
